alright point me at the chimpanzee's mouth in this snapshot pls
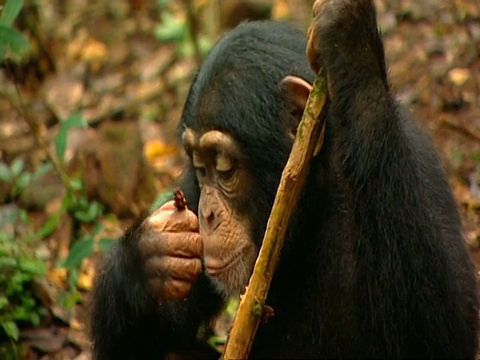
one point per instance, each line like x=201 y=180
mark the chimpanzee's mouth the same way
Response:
x=215 y=268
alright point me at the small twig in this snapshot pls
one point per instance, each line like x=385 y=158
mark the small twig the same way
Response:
x=135 y=101
x=126 y=104
x=179 y=200
x=211 y=18
x=39 y=138
x=193 y=28
x=293 y=178
x=475 y=45
x=33 y=25
x=463 y=129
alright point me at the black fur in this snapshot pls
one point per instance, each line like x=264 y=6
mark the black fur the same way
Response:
x=374 y=265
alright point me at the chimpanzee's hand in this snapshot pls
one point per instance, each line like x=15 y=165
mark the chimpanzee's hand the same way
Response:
x=171 y=250
x=343 y=33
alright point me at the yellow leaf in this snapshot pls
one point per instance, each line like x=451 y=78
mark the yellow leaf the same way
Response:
x=155 y=148
x=94 y=50
x=280 y=10
x=58 y=276
x=459 y=76
x=85 y=279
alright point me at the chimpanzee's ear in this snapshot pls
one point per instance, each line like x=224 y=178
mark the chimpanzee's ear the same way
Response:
x=296 y=91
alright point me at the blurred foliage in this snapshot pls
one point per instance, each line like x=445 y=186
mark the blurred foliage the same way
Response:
x=175 y=27
x=19 y=239
x=18 y=268
x=220 y=340
x=137 y=60
x=13 y=44
x=161 y=199
x=16 y=177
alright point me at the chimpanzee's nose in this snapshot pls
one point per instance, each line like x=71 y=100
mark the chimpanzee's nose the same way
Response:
x=209 y=221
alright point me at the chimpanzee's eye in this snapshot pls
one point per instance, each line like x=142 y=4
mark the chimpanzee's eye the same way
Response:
x=223 y=163
x=198 y=165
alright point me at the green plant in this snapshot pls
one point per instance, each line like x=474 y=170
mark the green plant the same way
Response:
x=228 y=314
x=85 y=213
x=12 y=42
x=161 y=199
x=82 y=210
x=18 y=268
x=76 y=203
x=81 y=249
x=175 y=28
x=17 y=177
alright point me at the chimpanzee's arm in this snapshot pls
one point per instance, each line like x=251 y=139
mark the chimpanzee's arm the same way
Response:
x=127 y=323
x=398 y=194
x=389 y=175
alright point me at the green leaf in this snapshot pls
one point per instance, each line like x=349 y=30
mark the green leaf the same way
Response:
x=5 y=173
x=162 y=3
x=3 y=302
x=21 y=313
x=215 y=341
x=79 y=251
x=94 y=210
x=61 y=141
x=98 y=227
x=11 y=329
x=161 y=199
x=82 y=216
x=8 y=262
x=72 y=280
x=22 y=182
x=32 y=266
x=82 y=202
x=232 y=307
x=10 y=11
x=76 y=120
x=104 y=244
x=35 y=319
x=23 y=216
x=72 y=297
x=28 y=302
x=17 y=166
x=171 y=29
x=50 y=225
x=205 y=44
x=76 y=184
x=13 y=40
x=42 y=171
x=4 y=237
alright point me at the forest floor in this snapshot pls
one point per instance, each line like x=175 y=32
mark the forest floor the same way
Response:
x=123 y=68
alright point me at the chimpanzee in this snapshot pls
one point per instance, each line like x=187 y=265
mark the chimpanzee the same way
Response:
x=374 y=264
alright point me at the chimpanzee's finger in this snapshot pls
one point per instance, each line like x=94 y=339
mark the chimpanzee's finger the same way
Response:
x=167 y=219
x=171 y=289
x=169 y=267
x=182 y=244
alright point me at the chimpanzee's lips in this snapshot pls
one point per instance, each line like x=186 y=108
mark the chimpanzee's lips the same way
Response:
x=216 y=267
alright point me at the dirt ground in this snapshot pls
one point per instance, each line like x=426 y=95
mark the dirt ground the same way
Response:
x=111 y=62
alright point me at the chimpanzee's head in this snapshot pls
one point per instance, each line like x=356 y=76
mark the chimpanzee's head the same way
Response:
x=238 y=127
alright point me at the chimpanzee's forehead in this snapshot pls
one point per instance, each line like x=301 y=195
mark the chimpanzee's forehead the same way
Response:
x=233 y=100
x=237 y=86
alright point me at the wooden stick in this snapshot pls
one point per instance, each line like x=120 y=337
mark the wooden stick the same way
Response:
x=293 y=178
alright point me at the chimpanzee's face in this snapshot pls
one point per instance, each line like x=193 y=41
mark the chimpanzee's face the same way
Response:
x=226 y=184
x=229 y=250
